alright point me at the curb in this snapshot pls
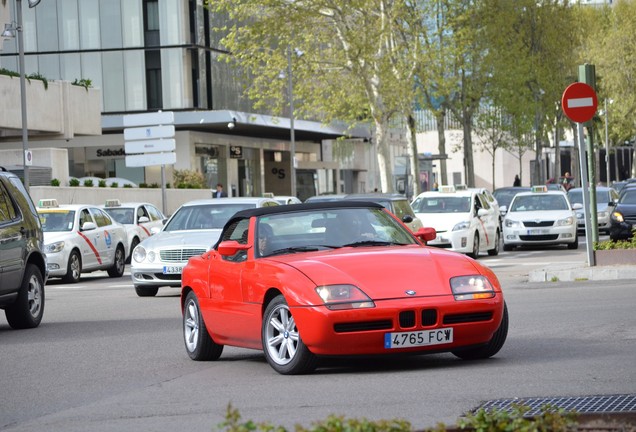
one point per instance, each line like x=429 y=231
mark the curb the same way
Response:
x=553 y=274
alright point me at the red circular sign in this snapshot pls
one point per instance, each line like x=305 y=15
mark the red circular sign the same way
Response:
x=579 y=102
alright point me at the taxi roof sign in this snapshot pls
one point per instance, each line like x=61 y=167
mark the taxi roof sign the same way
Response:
x=447 y=189
x=114 y=202
x=540 y=188
x=48 y=202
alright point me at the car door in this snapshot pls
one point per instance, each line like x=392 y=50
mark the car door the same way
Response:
x=12 y=243
x=91 y=256
x=487 y=222
x=107 y=235
x=155 y=218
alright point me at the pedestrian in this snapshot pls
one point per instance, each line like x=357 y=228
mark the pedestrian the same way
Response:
x=219 y=193
x=517 y=181
x=435 y=187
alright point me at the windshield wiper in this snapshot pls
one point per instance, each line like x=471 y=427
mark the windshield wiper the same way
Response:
x=293 y=250
x=373 y=243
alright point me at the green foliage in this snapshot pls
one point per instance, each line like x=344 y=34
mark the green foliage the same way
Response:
x=114 y=184
x=8 y=72
x=86 y=83
x=143 y=185
x=88 y=182
x=188 y=179
x=154 y=185
x=55 y=182
x=618 y=244
x=38 y=76
x=101 y=183
x=550 y=419
x=128 y=185
x=74 y=182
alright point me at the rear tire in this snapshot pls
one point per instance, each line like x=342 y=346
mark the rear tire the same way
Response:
x=28 y=309
x=492 y=347
x=475 y=253
x=117 y=270
x=495 y=250
x=145 y=291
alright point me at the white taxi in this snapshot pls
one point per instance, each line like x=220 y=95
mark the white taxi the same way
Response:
x=140 y=219
x=192 y=230
x=540 y=217
x=81 y=239
x=463 y=219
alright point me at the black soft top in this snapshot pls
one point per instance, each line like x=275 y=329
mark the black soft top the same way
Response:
x=292 y=208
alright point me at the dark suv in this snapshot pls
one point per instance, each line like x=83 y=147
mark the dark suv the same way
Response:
x=22 y=261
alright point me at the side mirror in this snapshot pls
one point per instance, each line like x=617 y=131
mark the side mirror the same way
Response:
x=426 y=234
x=154 y=230
x=89 y=226
x=231 y=247
x=407 y=218
x=577 y=206
x=143 y=219
x=482 y=212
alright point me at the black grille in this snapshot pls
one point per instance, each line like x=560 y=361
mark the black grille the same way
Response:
x=407 y=319
x=580 y=404
x=429 y=317
x=443 y=245
x=465 y=318
x=168 y=276
x=545 y=237
x=535 y=224
x=362 y=326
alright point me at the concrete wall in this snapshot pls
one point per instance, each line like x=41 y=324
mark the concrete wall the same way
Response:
x=98 y=196
x=56 y=158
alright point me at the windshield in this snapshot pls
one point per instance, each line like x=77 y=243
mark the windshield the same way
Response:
x=207 y=216
x=123 y=215
x=540 y=202
x=57 y=220
x=628 y=197
x=602 y=197
x=441 y=204
x=312 y=230
x=504 y=197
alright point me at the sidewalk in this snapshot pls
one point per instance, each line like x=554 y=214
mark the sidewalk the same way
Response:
x=557 y=272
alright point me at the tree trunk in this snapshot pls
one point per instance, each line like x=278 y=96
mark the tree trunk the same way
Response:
x=413 y=160
x=469 y=166
x=443 y=174
x=384 y=156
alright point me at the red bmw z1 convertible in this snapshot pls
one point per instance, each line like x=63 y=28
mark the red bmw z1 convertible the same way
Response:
x=338 y=278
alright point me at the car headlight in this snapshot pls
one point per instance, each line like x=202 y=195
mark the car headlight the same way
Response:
x=54 y=247
x=340 y=297
x=618 y=216
x=139 y=254
x=509 y=223
x=565 y=222
x=462 y=226
x=471 y=288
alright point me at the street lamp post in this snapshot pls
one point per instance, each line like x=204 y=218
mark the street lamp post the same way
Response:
x=292 y=137
x=10 y=31
x=607 y=145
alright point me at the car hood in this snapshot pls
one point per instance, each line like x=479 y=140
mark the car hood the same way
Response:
x=626 y=209
x=539 y=215
x=55 y=236
x=442 y=221
x=200 y=239
x=427 y=271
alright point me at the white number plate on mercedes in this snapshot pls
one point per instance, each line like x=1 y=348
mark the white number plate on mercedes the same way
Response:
x=418 y=338
x=172 y=269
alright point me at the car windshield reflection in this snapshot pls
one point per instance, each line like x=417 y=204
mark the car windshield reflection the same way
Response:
x=211 y=216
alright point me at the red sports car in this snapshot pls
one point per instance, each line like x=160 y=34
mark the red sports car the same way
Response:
x=336 y=278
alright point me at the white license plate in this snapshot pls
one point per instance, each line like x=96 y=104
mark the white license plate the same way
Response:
x=538 y=231
x=172 y=269
x=418 y=338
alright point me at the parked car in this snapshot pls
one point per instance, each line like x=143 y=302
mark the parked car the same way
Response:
x=606 y=199
x=623 y=218
x=331 y=288
x=464 y=220
x=325 y=197
x=22 y=258
x=140 y=219
x=80 y=238
x=395 y=203
x=285 y=199
x=192 y=230
x=540 y=217
x=505 y=195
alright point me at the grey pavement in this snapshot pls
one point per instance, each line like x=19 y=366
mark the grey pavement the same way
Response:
x=559 y=272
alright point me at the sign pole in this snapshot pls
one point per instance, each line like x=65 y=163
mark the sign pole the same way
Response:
x=586 y=198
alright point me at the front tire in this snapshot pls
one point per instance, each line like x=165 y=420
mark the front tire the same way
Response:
x=133 y=245
x=117 y=270
x=492 y=347
x=284 y=349
x=199 y=345
x=28 y=309
x=74 y=268
x=495 y=250
x=574 y=245
x=475 y=253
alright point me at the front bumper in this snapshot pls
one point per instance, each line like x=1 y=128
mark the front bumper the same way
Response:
x=457 y=241
x=155 y=275
x=57 y=263
x=540 y=236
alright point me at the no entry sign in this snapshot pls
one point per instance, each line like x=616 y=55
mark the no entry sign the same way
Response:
x=579 y=102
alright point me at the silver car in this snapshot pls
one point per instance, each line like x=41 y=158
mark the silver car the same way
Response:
x=606 y=199
x=192 y=230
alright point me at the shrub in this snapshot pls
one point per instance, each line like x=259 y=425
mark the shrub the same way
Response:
x=55 y=182
x=618 y=244
x=143 y=185
x=128 y=185
x=154 y=185
x=189 y=179
x=102 y=183
x=74 y=182
x=86 y=83
x=114 y=184
x=88 y=182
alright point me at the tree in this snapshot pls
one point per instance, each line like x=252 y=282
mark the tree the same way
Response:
x=492 y=132
x=354 y=65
